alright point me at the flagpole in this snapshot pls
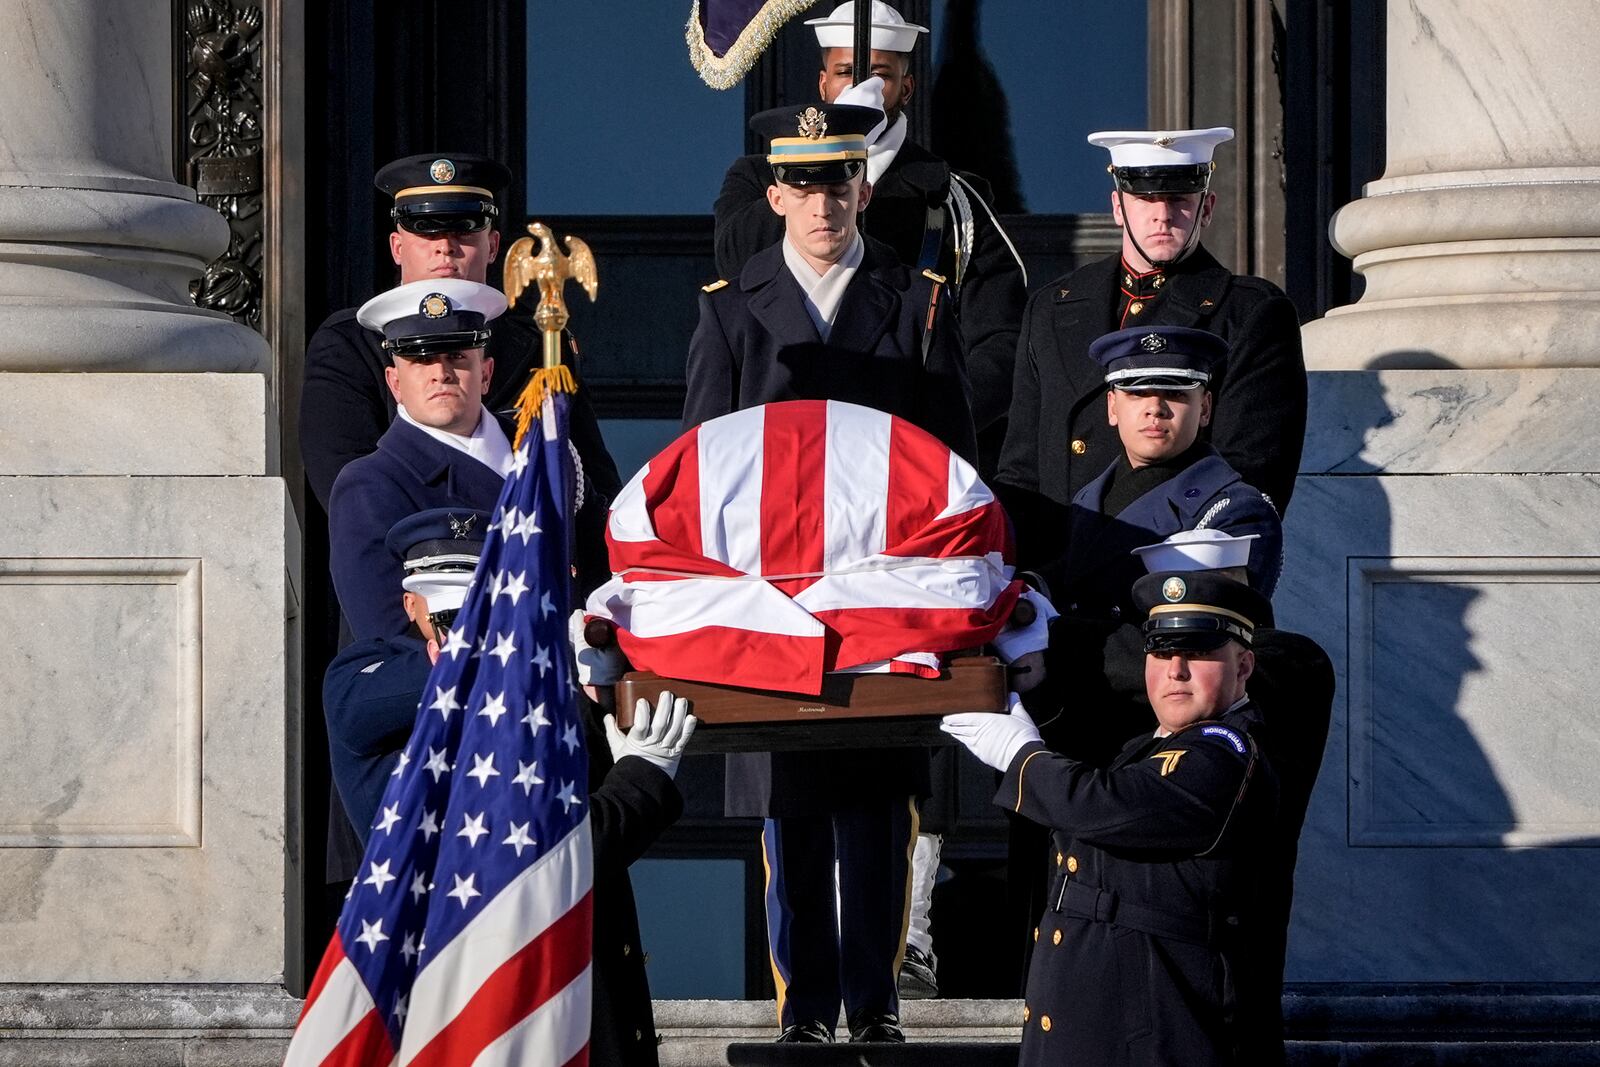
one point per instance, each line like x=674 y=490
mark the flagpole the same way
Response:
x=861 y=60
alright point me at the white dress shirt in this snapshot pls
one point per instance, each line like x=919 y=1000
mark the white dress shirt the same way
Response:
x=824 y=291
x=487 y=444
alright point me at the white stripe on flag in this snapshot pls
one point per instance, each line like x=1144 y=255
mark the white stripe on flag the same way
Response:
x=630 y=519
x=518 y=913
x=964 y=490
x=341 y=1004
x=660 y=609
x=855 y=485
x=730 y=488
x=962 y=583
x=551 y=1035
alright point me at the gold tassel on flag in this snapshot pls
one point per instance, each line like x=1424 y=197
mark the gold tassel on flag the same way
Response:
x=549 y=268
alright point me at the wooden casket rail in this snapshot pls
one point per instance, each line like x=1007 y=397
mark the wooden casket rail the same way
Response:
x=853 y=710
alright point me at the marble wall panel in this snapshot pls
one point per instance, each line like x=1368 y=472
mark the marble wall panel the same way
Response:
x=210 y=908
x=1477 y=710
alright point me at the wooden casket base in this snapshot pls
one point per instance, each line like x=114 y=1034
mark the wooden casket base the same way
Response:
x=852 y=711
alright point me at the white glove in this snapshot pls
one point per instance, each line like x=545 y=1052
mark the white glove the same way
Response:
x=659 y=737
x=1014 y=641
x=596 y=666
x=994 y=739
x=869 y=93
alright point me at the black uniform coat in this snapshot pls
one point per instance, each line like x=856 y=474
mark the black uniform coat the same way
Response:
x=988 y=301
x=1058 y=438
x=370 y=698
x=410 y=472
x=345 y=405
x=1138 y=953
x=756 y=344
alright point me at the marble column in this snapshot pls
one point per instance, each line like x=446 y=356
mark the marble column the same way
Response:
x=1441 y=543
x=148 y=557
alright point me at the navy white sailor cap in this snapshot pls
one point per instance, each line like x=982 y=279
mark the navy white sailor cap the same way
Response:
x=433 y=315
x=890 y=31
x=1197 y=550
x=1158 y=357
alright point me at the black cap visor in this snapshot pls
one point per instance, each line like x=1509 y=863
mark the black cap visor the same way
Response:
x=1193 y=633
x=1159 y=181
x=434 y=343
x=428 y=216
x=830 y=173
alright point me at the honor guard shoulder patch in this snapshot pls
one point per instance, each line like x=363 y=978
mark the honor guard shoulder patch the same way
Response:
x=720 y=283
x=1226 y=734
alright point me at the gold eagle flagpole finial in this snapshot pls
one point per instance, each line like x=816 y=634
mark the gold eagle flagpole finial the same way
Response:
x=548 y=267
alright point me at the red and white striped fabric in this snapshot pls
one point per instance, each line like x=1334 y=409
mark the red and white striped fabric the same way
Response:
x=775 y=544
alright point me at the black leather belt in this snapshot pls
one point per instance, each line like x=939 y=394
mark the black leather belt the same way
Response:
x=1081 y=901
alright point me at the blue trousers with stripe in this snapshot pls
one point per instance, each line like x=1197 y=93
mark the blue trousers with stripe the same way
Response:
x=823 y=955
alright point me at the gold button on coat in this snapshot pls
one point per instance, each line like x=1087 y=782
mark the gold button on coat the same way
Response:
x=1079 y=447
x=1072 y=864
x=1056 y=938
x=1044 y=1023
x=1036 y=933
x=1059 y=859
x=1133 y=309
x=1026 y=1013
x=627 y=950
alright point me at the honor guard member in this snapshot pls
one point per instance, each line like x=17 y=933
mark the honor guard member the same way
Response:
x=370 y=698
x=1156 y=858
x=825 y=314
x=444 y=450
x=1057 y=440
x=933 y=217
x=444 y=215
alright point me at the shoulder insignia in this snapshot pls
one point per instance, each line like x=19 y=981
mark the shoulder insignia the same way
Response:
x=720 y=283
x=1169 y=759
x=1228 y=735
x=1061 y=294
x=369 y=668
x=937 y=279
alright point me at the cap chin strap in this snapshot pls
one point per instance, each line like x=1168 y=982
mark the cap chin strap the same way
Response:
x=1188 y=242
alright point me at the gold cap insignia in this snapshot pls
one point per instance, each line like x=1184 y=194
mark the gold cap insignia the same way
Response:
x=1174 y=589
x=813 y=124
x=435 y=306
x=442 y=171
x=461 y=527
x=1163 y=142
x=1153 y=342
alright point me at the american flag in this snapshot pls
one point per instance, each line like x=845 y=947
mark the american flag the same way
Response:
x=769 y=546
x=466 y=936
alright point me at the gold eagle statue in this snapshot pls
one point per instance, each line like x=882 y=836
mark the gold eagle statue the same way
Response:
x=549 y=268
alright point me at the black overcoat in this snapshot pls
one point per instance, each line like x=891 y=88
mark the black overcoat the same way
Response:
x=1058 y=438
x=756 y=344
x=1155 y=884
x=988 y=301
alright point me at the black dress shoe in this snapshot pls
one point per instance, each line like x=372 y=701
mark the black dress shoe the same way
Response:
x=884 y=1029
x=809 y=1032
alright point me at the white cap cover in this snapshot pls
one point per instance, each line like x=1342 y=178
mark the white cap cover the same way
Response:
x=443 y=590
x=407 y=300
x=1161 y=148
x=890 y=32
x=1197 y=550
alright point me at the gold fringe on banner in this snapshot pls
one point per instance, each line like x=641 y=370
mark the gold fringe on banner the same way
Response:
x=544 y=382
x=725 y=71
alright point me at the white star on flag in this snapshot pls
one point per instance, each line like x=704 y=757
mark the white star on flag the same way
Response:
x=391 y=815
x=494 y=707
x=429 y=825
x=519 y=838
x=408 y=947
x=379 y=876
x=463 y=890
x=444 y=702
x=508 y=522
x=437 y=765
x=535 y=718
x=541 y=659
x=400 y=767
x=514 y=587
x=419 y=888
x=472 y=828
x=483 y=770
x=504 y=645
x=454 y=644
x=527 y=776
x=568 y=795
x=569 y=737
x=371 y=934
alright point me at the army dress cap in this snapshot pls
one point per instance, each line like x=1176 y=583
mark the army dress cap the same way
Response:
x=1197 y=611
x=433 y=315
x=1197 y=550
x=1158 y=357
x=439 y=551
x=817 y=144
x=444 y=192
x=890 y=31
x=1161 y=161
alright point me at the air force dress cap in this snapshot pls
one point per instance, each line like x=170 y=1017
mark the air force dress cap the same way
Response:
x=819 y=144
x=1161 y=161
x=1197 y=550
x=1158 y=357
x=443 y=193
x=433 y=315
x=890 y=32
x=1197 y=611
x=439 y=550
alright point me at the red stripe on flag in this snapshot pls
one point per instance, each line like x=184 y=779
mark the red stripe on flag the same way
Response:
x=795 y=442
x=330 y=963
x=867 y=635
x=580 y=1060
x=724 y=655
x=365 y=1046
x=517 y=988
x=976 y=532
x=674 y=480
x=919 y=480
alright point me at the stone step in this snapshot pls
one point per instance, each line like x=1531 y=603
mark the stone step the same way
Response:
x=920 y=1053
